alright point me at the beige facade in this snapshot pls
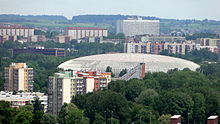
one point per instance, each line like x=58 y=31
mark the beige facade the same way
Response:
x=156 y=48
x=210 y=44
x=16 y=31
x=18 y=77
x=83 y=32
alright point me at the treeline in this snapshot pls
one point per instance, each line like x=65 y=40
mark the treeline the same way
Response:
x=154 y=99
x=30 y=18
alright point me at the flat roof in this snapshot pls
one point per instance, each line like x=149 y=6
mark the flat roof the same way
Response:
x=212 y=117
x=176 y=116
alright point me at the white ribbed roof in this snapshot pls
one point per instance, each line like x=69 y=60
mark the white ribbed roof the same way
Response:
x=119 y=61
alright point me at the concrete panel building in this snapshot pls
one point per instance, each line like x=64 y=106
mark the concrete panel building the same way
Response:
x=65 y=84
x=209 y=43
x=18 y=77
x=82 y=32
x=156 y=48
x=132 y=27
x=16 y=31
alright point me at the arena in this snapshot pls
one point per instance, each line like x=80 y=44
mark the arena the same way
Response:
x=119 y=61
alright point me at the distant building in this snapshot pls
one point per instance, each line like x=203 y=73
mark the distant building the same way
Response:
x=63 y=85
x=23 y=98
x=82 y=32
x=133 y=27
x=39 y=50
x=163 y=39
x=16 y=31
x=212 y=120
x=7 y=37
x=62 y=38
x=13 y=32
x=37 y=38
x=209 y=43
x=176 y=119
x=156 y=48
x=18 y=77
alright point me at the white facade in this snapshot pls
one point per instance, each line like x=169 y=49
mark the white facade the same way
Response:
x=82 y=32
x=132 y=27
x=21 y=99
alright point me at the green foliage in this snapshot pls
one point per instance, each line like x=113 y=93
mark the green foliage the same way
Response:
x=201 y=35
x=23 y=117
x=164 y=119
x=147 y=97
x=104 y=101
x=70 y=114
x=99 y=119
x=113 y=121
x=49 y=119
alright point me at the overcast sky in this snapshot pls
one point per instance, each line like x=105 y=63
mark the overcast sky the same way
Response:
x=176 y=9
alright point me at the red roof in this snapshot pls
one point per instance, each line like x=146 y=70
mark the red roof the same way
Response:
x=85 y=28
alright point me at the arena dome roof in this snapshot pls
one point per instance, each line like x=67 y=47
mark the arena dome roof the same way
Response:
x=119 y=61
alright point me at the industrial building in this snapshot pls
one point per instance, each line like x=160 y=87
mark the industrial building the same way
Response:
x=138 y=26
x=65 y=84
x=119 y=61
x=39 y=50
x=18 y=77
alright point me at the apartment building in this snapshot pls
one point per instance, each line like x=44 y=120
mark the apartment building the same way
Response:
x=23 y=98
x=16 y=31
x=12 y=32
x=162 y=39
x=65 y=84
x=156 y=48
x=209 y=43
x=138 y=26
x=18 y=77
x=82 y=32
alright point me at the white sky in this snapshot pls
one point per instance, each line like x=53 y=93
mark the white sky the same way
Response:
x=175 y=9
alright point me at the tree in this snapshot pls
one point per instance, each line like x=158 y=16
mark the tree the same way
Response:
x=70 y=114
x=37 y=112
x=147 y=97
x=113 y=121
x=49 y=119
x=176 y=102
x=198 y=114
x=133 y=89
x=164 y=119
x=99 y=119
x=23 y=117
